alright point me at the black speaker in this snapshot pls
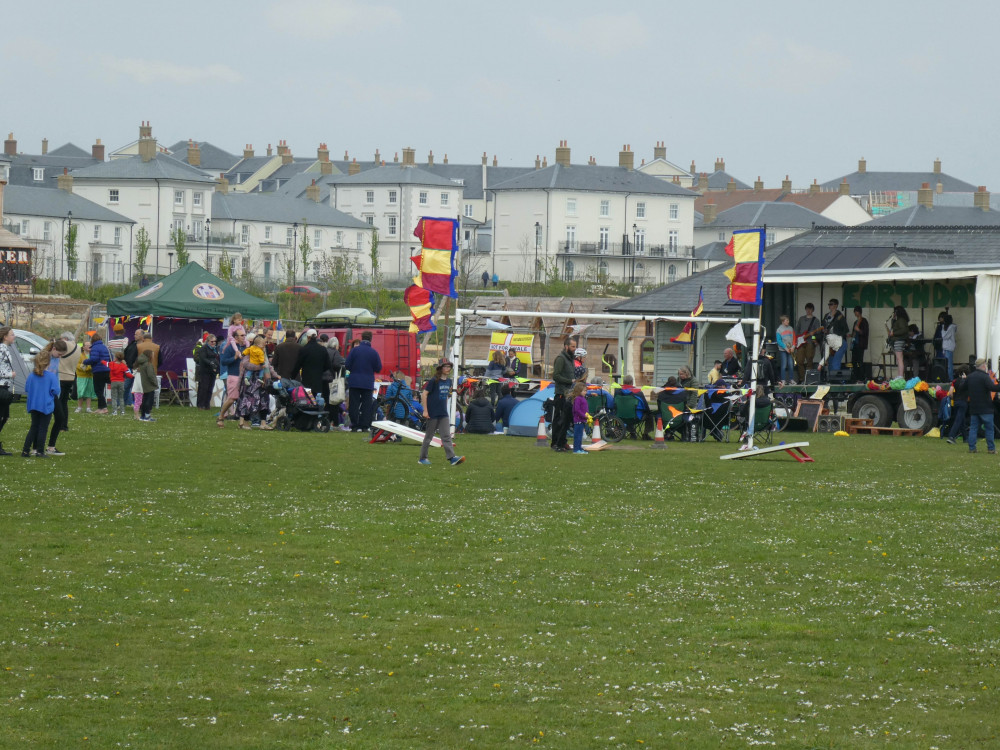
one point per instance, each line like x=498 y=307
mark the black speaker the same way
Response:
x=839 y=377
x=829 y=423
x=939 y=370
x=815 y=377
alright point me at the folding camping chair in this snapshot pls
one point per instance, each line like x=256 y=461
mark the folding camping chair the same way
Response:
x=672 y=403
x=763 y=425
x=627 y=410
x=177 y=389
x=717 y=415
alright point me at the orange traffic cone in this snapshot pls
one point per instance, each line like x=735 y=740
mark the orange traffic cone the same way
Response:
x=542 y=440
x=598 y=442
x=658 y=437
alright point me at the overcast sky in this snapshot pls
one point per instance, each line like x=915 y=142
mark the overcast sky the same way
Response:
x=774 y=88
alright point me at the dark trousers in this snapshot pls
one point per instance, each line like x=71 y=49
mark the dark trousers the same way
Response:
x=205 y=386
x=147 y=404
x=562 y=418
x=36 y=433
x=4 y=411
x=958 y=426
x=101 y=380
x=60 y=414
x=360 y=408
x=128 y=391
x=857 y=365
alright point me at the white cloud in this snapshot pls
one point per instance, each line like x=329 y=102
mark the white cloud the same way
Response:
x=162 y=71
x=321 y=19
x=604 y=34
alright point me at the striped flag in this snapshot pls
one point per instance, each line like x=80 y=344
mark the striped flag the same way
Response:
x=746 y=282
x=421 y=304
x=436 y=263
x=686 y=336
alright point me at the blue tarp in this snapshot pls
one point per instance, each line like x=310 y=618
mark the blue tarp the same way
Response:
x=524 y=417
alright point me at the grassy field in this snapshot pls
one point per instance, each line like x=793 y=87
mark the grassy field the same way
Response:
x=174 y=585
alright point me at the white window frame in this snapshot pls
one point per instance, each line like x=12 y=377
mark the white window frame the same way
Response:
x=671 y=273
x=178 y=197
x=38 y=174
x=571 y=238
x=675 y=211
x=317 y=239
x=605 y=211
x=640 y=209
x=640 y=241
x=444 y=199
x=196 y=200
x=47 y=230
x=114 y=196
x=422 y=198
x=468 y=210
x=392 y=225
x=340 y=238
x=245 y=234
x=571 y=206
x=118 y=236
x=393 y=197
x=673 y=242
x=370 y=218
x=289 y=236
x=97 y=232
x=604 y=239
x=267 y=233
x=25 y=225
x=369 y=197
x=360 y=240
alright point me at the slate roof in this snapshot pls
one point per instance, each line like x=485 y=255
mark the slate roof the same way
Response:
x=586 y=177
x=297 y=184
x=286 y=172
x=247 y=168
x=70 y=149
x=862 y=183
x=770 y=214
x=280 y=209
x=719 y=180
x=712 y=252
x=55 y=203
x=134 y=168
x=213 y=158
x=472 y=176
x=22 y=166
x=924 y=216
x=395 y=175
x=832 y=248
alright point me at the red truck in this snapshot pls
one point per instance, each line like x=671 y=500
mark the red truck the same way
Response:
x=396 y=346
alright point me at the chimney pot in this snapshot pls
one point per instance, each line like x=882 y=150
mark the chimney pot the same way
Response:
x=45 y=146
x=702 y=183
x=814 y=188
x=981 y=198
x=446 y=158
x=786 y=185
x=270 y=152
x=222 y=185
x=626 y=159
x=758 y=185
x=97 y=150
x=925 y=196
x=354 y=167
x=709 y=213
x=484 y=158
x=430 y=158
x=720 y=165
x=323 y=153
x=193 y=154
x=845 y=189
x=660 y=150
x=409 y=157
x=494 y=160
x=10 y=146
x=937 y=166
x=862 y=165
x=693 y=170
x=312 y=192
x=563 y=153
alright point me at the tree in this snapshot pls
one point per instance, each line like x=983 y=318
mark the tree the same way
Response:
x=142 y=245
x=305 y=249
x=71 y=254
x=379 y=296
x=342 y=277
x=179 y=240
x=225 y=266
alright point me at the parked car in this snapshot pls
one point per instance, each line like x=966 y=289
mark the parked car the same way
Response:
x=308 y=292
x=28 y=344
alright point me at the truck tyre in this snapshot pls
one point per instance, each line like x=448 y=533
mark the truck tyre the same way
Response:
x=921 y=418
x=875 y=408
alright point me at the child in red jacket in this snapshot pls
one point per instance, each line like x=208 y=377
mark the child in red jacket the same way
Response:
x=118 y=371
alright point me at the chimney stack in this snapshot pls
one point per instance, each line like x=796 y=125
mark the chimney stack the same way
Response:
x=282 y=147
x=10 y=146
x=322 y=153
x=786 y=185
x=446 y=158
x=378 y=156
x=355 y=168
x=430 y=158
x=65 y=181
x=545 y=162
x=693 y=170
x=193 y=154
x=702 y=183
x=494 y=160
x=939 y=188
x=720 y=165
x=562 y=153
x=937 y=166
x=484 y=158
x=45 y=146
x=97 y=150
x=592 y=161
x=147 y=144
x=395 y=158
x=731 y=185
x=626 y=158
x=925 y=196
x=409 y=157
x=660 y=150
x=845 y=189
x=677 y=179
x=222 y=184
x=814 y=188
x=269 y=151
x=709 y=213
x=248 y=151
x=862 y=165
x=285 y=153
x=312 y=192
x=538 y=162
x=981 y=199
x=758 y=184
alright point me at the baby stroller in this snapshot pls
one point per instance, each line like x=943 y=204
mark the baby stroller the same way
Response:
x=296 y=407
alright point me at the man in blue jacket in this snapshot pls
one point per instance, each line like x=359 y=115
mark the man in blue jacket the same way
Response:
x=362 y=363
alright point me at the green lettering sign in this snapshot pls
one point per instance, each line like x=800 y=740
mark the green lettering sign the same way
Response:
x=919 y=295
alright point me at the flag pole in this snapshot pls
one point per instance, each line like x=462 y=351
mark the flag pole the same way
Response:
x=755 y=355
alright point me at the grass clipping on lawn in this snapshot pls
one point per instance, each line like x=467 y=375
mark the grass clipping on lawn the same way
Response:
x=174 y=585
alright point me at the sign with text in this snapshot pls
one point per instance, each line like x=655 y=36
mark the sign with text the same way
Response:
x=918 y=295
x=521 y=343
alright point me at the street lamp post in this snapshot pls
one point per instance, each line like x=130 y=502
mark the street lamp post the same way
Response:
x=208 y=230
x=295 y=248
x=69 y=231
x=635 y=249
x=538 y=234
x=170 y=263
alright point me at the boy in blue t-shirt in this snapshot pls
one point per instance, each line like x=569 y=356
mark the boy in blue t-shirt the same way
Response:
x=434 y=399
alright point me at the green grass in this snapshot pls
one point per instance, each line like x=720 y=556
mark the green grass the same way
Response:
x=174 y=585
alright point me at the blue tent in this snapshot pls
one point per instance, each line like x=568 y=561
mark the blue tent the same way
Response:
x=524 y=417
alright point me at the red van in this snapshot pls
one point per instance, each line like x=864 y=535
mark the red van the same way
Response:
x=396 y=346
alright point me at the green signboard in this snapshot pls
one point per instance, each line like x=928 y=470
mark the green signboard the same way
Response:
x=916 y=295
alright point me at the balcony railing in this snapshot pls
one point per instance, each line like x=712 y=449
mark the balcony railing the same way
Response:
x=621 y=249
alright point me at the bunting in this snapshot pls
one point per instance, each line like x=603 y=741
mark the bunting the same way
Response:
x=686 y=336
x=746 y=281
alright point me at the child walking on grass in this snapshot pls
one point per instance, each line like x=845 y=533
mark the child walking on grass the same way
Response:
x=42 y=389
x=578 y=394
x=118 y=372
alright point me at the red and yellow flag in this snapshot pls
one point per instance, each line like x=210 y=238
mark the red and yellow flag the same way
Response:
x=746 y=283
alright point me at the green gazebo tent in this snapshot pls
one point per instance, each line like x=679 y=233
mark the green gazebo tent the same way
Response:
x=191 y=292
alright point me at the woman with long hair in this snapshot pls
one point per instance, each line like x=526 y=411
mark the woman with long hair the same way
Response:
x=42 y=391
x=899 y=333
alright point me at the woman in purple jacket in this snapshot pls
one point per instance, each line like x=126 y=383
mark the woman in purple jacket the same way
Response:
x=99 y=360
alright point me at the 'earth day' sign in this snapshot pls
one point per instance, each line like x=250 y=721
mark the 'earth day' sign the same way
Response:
x=917 y=295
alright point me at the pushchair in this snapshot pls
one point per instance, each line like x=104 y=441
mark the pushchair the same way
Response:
x=296 y=408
